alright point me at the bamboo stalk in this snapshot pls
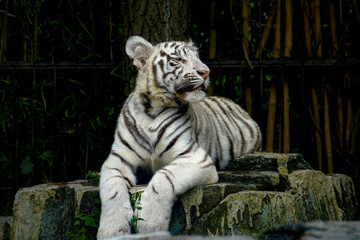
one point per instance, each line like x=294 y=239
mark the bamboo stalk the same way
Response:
x=333 y=27
x=245 y=43
x=314 y=99
x=349 y=118
x=315 y=104
x=307 y=30
x=36 y=30
x=212 y=50
x=267 y=29
x=286 y=140
x=328 y=144
x=245 y=26
x=317 y=28
x=248 y=95
x=4 y=34
x=340 y=115
x=288 y=28
x=349 y=121
x=271 y=118
x=87 y=156
x=277 y=44
x=25 y=51
x=272 y=97
x=110 y=31
x=287 y=50
x=212 y=43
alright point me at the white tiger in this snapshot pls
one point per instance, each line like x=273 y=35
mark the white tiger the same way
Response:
x=169 y=126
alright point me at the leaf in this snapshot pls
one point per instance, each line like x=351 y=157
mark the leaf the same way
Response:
x=90 y=221
x=27 y=166
x=134 y=220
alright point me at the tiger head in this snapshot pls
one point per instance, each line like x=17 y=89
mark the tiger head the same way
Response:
x=169 y=70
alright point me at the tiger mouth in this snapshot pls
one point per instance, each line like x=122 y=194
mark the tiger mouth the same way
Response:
x=191 y=89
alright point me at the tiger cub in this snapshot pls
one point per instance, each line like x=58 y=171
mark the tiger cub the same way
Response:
x=169 y=126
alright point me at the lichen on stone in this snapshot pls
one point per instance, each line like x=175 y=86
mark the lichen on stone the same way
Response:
x=316 y=195
x=193 y=198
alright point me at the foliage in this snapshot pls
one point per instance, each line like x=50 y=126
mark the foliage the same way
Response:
x=85 y=226
x=136 y=205
x=93 y=177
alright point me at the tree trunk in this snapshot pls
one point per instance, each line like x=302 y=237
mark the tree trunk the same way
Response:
x=156 y=21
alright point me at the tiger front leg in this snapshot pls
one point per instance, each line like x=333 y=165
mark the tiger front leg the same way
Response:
x=116 y=211
x=168 y=183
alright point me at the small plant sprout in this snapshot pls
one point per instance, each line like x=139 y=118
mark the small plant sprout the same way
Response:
x=136 y=202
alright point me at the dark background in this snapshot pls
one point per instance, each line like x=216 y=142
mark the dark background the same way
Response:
x=64 y=76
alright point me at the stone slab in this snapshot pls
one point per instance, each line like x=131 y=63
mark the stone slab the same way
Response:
x=6 y=224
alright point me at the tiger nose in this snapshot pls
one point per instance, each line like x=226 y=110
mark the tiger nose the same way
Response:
x=203 y=73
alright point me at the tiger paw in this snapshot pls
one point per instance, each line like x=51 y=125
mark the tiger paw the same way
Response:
x=154 y=214
x=115 y=225
x=113 y=230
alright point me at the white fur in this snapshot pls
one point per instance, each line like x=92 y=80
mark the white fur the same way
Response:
x=178 y=134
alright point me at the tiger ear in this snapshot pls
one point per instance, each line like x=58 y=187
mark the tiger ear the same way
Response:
x=139 y=49
x=191 y=45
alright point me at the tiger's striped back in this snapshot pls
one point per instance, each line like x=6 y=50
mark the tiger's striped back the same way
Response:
x=224 y=130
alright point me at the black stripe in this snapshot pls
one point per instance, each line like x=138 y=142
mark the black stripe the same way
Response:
x=129 y=182
x=163 y=121
x=161 y=65
x=162 y=130
x=166 y=170
x=123 y=141
x=172 y=184
x=243 y=142
x=130 y=123
x=229 y=132
x=179 y=126
x=153 y=188
x=241 y=117
x=116 y=176
x=227 y=129
x=147 y=105
x=123 y=161
x=205 y=158
x=188 y=149
x=113 y=196
x=168 y=73
x=208 y=165
x=173 y=141
x=156 y=81
x=218 y=148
